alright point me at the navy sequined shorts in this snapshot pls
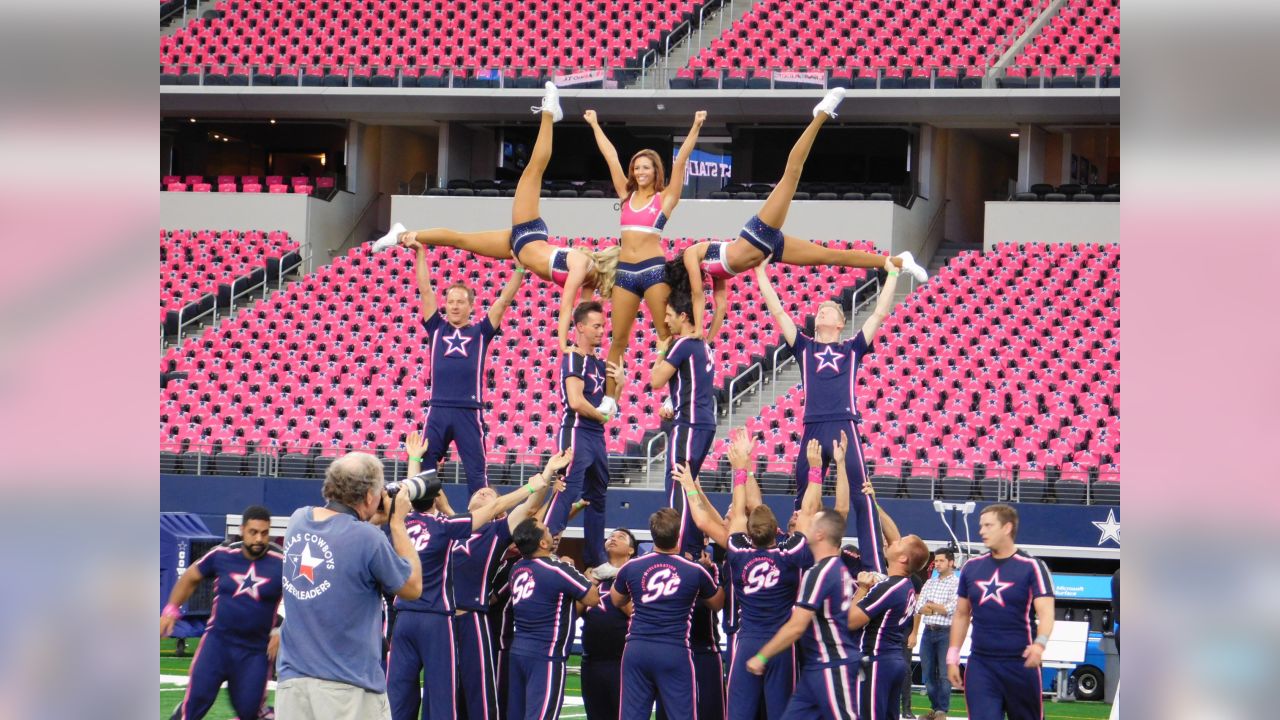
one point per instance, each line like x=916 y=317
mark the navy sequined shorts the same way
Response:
x=527 y=232
x=768 y=240
x=639 y=277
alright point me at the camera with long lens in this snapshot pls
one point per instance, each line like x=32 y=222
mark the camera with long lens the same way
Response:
x=422 y=488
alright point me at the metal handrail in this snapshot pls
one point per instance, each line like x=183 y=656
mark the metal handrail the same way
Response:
x=666 y=55
x=649 y=457
x=754 y=366
x=342 y=246
x=773 y=379
x=188 y=321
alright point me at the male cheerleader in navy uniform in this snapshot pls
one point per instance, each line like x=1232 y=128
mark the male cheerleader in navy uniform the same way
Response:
x=827 y=682
x=829 y=373
x=883 y=605
x=474 y=564
x=423 y=633
x=687 y=364
x=765 y=571
x=708 y=666
x=586 y=410
x=239 y=644
x=547 y=595
x=998 y=591
x=459 y=350
x=663 y=588
x=604 y=633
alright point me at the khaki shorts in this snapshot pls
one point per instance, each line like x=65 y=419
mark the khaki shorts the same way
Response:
x=313 y=699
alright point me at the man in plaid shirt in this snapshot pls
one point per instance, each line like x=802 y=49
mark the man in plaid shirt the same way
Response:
x=934 y=608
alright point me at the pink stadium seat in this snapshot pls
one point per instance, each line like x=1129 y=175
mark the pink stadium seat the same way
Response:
x=201 y=187
x=227 y=187
x=251 y=188
x=278 y=188
x=176 y=187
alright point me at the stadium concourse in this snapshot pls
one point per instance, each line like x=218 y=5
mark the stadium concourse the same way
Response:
x=683 y=238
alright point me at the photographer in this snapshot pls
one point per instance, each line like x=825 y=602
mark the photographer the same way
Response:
x=337 y=564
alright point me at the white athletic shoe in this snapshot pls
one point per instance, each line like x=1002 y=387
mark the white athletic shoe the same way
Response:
x=390 y=240
x=830 y=102
x=550 y=102
x=913 y=268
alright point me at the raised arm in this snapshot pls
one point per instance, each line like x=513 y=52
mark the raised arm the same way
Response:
x=811 y=501
x=508 y=294
x=785 y=324
x=422 y=270
x=742 y=451
x=404 y=545
x=720 y=306
x=671 y=194
x=537 y=485
x=534 y=500
x=838 y=452
x=884 y=303
x=610 y=153
x=704 y=515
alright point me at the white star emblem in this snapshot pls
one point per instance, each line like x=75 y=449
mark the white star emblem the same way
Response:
x=248 y=583
x=828 y=358
x=993 y=589
x=306 y=563
x=456 y=344
x=1110 y=528
x=598 y=379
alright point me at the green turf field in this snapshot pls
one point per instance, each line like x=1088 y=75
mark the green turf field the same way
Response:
x=171 y=695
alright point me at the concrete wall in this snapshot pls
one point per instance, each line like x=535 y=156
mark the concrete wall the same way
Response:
x=581 y=217
x=911 y=227
x=1051 y=222
x=976 y=173
x=236 y=211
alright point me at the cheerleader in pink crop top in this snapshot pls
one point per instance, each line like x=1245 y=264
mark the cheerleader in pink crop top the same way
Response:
x=647 y=201
x=761 y=240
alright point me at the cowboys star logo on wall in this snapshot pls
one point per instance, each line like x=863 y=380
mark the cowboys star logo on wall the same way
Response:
x=1110 y=528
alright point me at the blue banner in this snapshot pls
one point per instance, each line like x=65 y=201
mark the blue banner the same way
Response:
x=1082 y=587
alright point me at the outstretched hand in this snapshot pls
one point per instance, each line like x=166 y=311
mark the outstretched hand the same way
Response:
x=840 y=448
x=684 y=476
x=618 y=372
x=742 y=449
x=558 y=462
x=813 y=453
x=415 y=445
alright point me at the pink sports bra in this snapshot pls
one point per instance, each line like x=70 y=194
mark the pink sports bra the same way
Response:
x=648 y=219
x=716 y=262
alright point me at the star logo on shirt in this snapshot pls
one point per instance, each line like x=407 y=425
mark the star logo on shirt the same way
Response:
x=456 y=344
x=1110 y=528
x=828 y=358
x=248 y=583
x=306 y=563
x=993 y=589
x=598 y=381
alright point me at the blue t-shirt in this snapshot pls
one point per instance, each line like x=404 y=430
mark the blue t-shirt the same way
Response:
x=604 y=628
x=827 y=590
x=890 y=605
x=1001 y=594
x=543 y=591
x=663 y=589
x=693 y=391
x=829 y=375
x=765 y=581
x=457 y=361
x=335 y=573
x=246 y=593
x=433 y=536
x=475 y=563
x=592 y=372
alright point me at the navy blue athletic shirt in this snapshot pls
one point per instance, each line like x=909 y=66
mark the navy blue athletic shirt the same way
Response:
x=592 y=372
x=829 y=374
x=475 y=562
x=663 y=589
x=433 y=536
x=693 y=391
x=543 y=591
x=246 y=592
x=457 y=361
x=765 y=581
x=1001 y=594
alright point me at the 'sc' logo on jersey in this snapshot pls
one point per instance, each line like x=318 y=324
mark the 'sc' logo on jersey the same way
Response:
x=521 y=586
x=661 y=582
x=420 y=535
x=761 y=574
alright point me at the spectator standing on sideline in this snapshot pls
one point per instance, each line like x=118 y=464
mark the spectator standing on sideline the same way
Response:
x=934 y=609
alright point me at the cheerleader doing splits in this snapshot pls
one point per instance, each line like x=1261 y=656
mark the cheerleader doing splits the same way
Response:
x=573 y=269
x=762 y=240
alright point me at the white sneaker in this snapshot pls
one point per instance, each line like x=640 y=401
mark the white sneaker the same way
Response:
x=390 y=240
x=829 y=102
x=550 y=102
x=913 y=268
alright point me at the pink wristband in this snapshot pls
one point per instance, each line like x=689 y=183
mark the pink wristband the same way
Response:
x=172 y=611
x=953 y=656
x=739 y=477
x=815 y=476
